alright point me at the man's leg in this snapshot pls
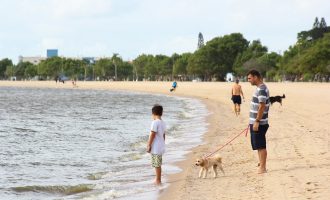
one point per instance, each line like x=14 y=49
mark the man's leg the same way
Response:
x=235 y=109
x=238 y=109
x=262 y=159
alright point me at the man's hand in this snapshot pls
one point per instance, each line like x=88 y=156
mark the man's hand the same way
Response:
x=256 y=126
x=148 y=148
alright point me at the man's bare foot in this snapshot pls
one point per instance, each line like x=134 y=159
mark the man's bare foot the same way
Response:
x=262 y=171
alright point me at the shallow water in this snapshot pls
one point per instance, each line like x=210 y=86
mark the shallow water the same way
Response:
x=88 y=144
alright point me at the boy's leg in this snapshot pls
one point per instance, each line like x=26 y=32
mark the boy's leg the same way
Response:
x=157 y=164
x=158 y=175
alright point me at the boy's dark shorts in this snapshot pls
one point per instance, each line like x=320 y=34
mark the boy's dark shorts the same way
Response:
x=236 y=99
x=258 y=139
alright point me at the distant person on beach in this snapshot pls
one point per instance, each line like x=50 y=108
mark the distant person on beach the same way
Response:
x=236 y=93
x=259 y=118
x=74 y=83
x=156 y=142
x=174 y=86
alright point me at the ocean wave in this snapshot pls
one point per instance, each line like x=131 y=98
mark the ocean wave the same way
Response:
x=59 y=189
x=130 y=157
x=96 y=176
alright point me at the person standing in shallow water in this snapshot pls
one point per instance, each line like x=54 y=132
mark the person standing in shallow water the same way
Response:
x=236 y=93
x=156 y=141
x=259 y=118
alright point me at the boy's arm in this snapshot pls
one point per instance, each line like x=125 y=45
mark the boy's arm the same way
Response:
x=151 y=139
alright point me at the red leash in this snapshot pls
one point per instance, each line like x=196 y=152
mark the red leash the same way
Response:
x=244 y=131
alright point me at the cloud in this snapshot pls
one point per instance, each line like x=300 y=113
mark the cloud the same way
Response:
x=132 y=27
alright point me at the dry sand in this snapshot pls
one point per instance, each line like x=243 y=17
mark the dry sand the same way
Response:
x=298 y=141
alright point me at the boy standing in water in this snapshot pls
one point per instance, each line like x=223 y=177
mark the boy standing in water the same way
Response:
x=156 y=142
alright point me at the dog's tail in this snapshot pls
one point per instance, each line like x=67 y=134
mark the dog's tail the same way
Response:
x=218 y=158
x=283 y=96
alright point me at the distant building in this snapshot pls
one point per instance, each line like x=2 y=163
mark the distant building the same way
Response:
x=89 y=60
x=34 y=60
x=52 y=53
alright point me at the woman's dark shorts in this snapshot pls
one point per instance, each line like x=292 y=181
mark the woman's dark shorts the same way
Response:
x=236 y=99
x=258 y=139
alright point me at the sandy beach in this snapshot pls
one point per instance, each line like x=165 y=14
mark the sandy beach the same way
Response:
x=298 y=141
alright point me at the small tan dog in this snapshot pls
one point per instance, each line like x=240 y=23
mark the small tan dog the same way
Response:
x=206 y=163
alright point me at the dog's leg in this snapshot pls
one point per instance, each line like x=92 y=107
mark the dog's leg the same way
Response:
x=214 y=167
x=205 y=174
x=220 y=166
x=201 y=172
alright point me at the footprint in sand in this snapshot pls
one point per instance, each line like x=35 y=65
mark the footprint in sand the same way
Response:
x=296 y=149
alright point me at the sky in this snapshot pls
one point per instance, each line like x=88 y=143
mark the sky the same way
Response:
x=99 y=28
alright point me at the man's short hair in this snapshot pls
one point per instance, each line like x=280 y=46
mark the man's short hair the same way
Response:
x=157 y=110
x=237 y=81
x=254 y=72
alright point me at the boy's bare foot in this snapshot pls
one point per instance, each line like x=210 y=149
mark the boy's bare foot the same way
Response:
x=158 y=183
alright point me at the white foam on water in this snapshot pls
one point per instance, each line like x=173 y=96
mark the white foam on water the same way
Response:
x=99 y=141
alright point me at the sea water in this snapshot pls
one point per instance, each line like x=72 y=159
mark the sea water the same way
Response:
x=88 y=144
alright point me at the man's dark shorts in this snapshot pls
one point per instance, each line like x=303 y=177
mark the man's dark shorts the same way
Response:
x=236 y=99
x=258 y=139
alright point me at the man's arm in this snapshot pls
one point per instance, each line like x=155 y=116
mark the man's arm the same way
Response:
x=261 y=109
x=150 y=141
x=242 y=92
x=260 y=113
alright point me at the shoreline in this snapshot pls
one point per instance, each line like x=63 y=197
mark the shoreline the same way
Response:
x=298 y=141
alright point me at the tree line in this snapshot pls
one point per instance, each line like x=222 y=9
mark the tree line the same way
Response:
x=307 y=60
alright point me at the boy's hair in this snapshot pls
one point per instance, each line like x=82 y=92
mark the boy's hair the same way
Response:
x=254 y=72
x=237 y=81
x=157 y=110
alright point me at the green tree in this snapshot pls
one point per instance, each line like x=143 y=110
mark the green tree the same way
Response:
x=164 y=66
x=20 y=69
x=142 y=66
x=30 y=71
x=125 y=71
x=73 y=68
x=10 y=71
x=244 y=60
x=104 y=69
x=199 y=64
x=180 y=65
x=217 y=57
x=4 y=64
x=316 y=23
x=50 y=68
